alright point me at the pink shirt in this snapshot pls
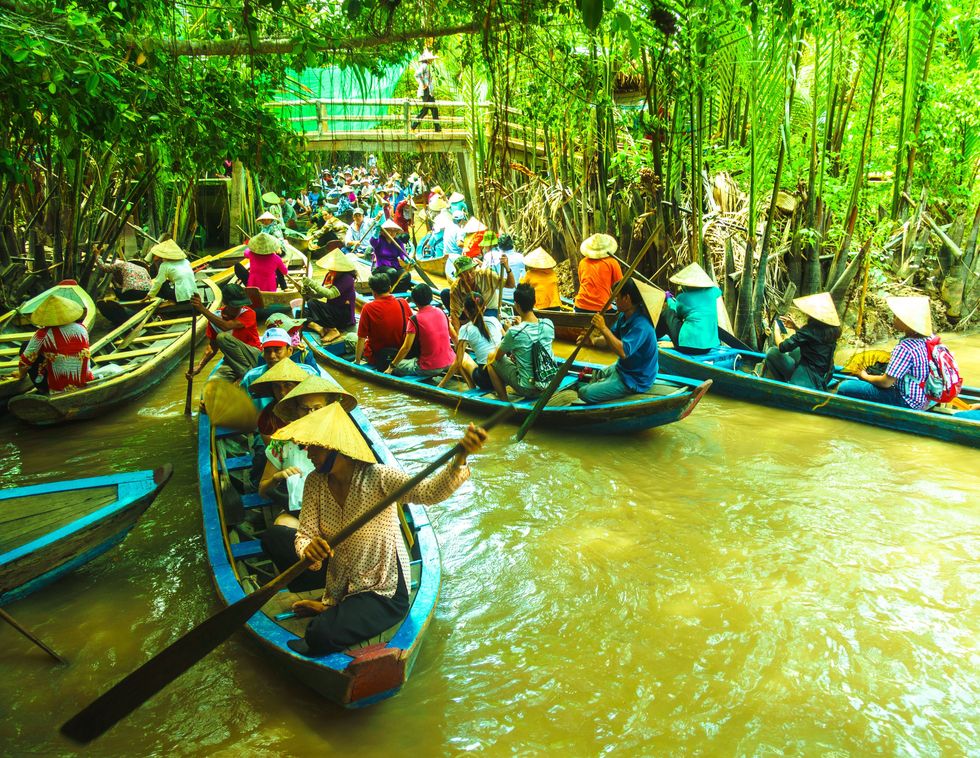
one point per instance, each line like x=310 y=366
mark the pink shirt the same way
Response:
x=262 y=270
x=435 y=350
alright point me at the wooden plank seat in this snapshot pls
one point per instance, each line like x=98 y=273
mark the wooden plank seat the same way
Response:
x=238 y=463
x=248 y=549
x=106 y=358
x=255 y=500
x=154 y=337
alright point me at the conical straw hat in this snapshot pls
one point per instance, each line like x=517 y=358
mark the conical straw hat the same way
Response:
x=288 y=408
x=271 y=198
x=819 y=306
x=653 y=299
x=598 y=246
x=330 y=428
x=263 y=244
x=693 y=276
x=57 y=311
x=229 y=405
x=266 y=217
x=168 y=250
x=336 y=260
x=284 y=371
x=438 y=203
x=473 y=226
x=539 y=258
x=913 y=312
x=456 y=197
x=392 y=226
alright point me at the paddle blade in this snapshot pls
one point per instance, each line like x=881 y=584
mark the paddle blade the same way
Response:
x=230 y=406
x=146 y=681
x=865 y=360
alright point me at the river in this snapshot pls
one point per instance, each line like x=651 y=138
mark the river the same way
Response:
x=746 y=582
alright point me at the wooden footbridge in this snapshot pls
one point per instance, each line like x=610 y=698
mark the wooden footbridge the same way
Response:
x=391 y=125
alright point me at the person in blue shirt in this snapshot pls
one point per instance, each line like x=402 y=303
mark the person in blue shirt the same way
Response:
x=633 y=339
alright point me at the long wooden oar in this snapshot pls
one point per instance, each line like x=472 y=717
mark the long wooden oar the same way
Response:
x=143 y=683
x=567 y=365
x=13 y=622
x=190 y=374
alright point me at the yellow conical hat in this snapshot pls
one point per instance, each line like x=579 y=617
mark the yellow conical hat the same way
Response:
x=263 y=244
x=819 y=306
x=653 y=299
x=284 y=371
x=693 y=276
x=168 y=250
x=287 y=409
x=228 y=405
x=336 y=260
x=539 y=258
x=57 y=311
x=330 y=428
x=913 y=312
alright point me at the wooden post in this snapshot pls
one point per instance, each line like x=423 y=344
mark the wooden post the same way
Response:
x=321 y=118
x=407 y=115
x=235 y=216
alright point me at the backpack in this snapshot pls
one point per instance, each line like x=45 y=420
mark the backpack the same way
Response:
x=943 y=382
x=543 y=366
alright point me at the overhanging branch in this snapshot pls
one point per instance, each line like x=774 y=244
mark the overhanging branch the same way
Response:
x=284 y=46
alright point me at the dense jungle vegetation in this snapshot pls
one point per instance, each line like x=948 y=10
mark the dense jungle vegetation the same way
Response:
x=794 y=146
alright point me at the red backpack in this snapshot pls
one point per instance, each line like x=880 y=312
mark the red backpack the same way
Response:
x=943 y=381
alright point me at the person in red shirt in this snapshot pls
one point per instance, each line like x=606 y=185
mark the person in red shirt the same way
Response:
x=430 y=328
x=405 y=213
x=598 y=273
x=382 y=325
x=234 y=332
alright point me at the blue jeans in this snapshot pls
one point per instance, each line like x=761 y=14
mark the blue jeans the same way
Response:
x=605 y=387
x=863 y=390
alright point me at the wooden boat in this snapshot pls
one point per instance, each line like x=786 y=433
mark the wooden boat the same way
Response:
x=731 y=371
x=359 y=676
x=433 y=265
x=569 y=324
x=670 y=399
x=53 y=528
x=146 y=348
x=16 y=329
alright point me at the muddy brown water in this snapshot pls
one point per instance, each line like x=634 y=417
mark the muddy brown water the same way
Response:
x=746 y=582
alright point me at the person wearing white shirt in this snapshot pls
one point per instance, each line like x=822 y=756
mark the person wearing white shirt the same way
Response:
x=175 y=277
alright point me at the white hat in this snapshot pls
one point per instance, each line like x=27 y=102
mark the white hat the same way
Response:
x=266 y=217
x=598 y=246
x=263 y=244
x=392 y=226
x=913 y=312
x=357 y=211
x=693 y=276
x=457 y=197
x=168 y=250
x=427 y=55
x=539 y=258
x=473 y=226
x=820 y=307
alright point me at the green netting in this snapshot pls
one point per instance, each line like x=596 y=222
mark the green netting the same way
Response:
x=335 y=83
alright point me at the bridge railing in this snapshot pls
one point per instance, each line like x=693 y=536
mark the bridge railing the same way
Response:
x=388 y=114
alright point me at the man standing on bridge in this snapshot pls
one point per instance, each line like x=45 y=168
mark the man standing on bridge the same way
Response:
x=423 y=75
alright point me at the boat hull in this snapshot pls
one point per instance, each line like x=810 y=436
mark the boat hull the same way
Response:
x=718 y=367
x=38 y=563
x=355 y=678
x=627 y=416
x=98 y=397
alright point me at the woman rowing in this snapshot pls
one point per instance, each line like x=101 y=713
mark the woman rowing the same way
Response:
x=367 y=577
x=330 y=307
x=806 y=358
x=540 y=274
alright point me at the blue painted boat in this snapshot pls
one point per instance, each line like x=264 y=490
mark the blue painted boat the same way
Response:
x=670 y=399
x=51 y=529
x=359 y=677
x=731 y=371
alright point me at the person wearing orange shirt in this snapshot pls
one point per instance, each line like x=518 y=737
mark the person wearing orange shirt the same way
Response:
x=598 y=273
x=540 y=274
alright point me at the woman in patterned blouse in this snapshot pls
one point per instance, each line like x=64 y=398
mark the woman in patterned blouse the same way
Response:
x=59 y=348
x=367 y=575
